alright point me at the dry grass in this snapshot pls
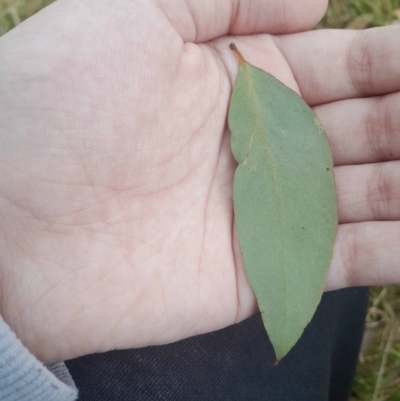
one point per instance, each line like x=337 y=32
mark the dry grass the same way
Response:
x=378 y=373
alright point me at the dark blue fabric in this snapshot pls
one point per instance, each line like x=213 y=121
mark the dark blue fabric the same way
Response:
x=236 y=363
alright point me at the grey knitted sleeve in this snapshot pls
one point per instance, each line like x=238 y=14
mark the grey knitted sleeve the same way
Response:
x=24 y=378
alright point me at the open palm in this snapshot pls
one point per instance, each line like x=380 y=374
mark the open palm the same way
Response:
x=116 y=212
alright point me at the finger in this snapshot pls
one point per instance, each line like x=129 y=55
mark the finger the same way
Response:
x=365 y=254
x=332 y=65
x=363 y=130
x=200 y=21
x=368 y=192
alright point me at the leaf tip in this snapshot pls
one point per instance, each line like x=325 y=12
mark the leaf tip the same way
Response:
x=233 y=47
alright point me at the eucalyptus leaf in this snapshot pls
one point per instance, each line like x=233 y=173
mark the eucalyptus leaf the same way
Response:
x=284 y=201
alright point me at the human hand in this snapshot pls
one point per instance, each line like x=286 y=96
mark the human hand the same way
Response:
x=116 y=211
x=355 y=93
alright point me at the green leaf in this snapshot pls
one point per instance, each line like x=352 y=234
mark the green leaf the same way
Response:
x=284 y=201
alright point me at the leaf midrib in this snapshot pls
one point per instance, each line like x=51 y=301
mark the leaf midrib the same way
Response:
x=263 y=135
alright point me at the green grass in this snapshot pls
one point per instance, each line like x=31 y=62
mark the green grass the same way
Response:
x=378 y=373
x=359 y=14
x=13 y=12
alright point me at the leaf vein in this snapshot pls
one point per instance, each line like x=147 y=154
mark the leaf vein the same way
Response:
x=263 y=134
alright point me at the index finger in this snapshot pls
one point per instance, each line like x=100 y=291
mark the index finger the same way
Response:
x=200 y=21
x=332 y=65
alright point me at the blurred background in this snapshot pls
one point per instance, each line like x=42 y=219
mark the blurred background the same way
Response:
x=378 y=373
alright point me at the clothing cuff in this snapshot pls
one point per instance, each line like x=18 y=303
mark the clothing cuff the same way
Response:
x=24 y=378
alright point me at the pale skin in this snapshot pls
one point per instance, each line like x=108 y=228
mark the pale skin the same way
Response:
x=116 y=221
